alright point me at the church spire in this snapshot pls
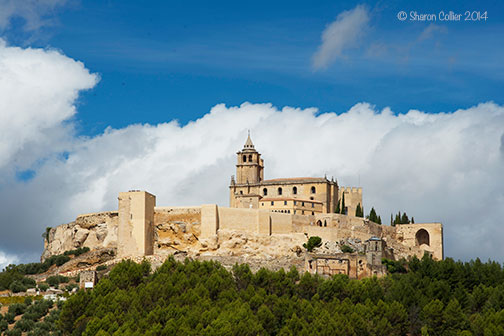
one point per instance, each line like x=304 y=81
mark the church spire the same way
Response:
x=248 y=143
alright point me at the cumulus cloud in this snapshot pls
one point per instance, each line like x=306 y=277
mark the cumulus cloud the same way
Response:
x=38 y=89
x=438 y=167
x=35 y=13
x=341 y=34
x=6 y=259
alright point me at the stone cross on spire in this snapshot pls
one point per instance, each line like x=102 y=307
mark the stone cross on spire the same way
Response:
x=248 y=143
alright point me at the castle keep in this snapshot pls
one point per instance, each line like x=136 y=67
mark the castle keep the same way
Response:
x=266 y=224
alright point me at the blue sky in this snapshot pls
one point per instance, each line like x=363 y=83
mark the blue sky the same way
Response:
x=412 y=111
x=163 y=60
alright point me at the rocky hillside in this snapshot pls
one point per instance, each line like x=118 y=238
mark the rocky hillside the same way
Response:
x=96 y=231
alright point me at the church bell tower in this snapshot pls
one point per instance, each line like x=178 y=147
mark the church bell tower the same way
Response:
x=244 y=190
x=250 y=166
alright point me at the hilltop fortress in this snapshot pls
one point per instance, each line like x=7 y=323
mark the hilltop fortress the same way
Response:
x=266 y=224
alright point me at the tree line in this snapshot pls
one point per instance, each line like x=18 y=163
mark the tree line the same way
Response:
x=420 y=297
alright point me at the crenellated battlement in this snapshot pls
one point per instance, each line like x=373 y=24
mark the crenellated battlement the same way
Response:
x=352 y=190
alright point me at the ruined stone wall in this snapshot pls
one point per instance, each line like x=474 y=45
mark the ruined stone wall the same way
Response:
x=354 y=265
x=410 y=236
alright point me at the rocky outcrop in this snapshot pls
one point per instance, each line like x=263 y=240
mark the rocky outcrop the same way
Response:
x=96 y=231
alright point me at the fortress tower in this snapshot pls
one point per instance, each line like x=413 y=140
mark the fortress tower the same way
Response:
x=135 y=233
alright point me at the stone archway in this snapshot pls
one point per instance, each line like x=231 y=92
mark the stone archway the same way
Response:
x=422 y=237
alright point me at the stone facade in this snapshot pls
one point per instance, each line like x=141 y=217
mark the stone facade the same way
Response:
x=250 y=190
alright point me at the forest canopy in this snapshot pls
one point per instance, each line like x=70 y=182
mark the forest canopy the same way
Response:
x=203 y=298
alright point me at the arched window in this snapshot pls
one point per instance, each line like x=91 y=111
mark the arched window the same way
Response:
x=244 y=158
x=422 y=237
x=279 y=191
x=241 y=192
x=319 y=223
x=313 y=190
x=250 y=157
x=325 y=222
x=265 y=192
x=294 y=190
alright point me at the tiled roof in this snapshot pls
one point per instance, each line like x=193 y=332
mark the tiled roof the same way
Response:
x=297 y=179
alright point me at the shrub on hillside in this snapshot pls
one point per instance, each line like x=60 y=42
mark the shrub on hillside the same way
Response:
x=9 y=317
x=312 y=243
x=43 y=286
x=69 y=287
x=24 y=325
x=17 y=287
x=3 y=325
x=346 y=249
x=77 y=252
x=13 y=332
x=56 y=280
x=17 y=309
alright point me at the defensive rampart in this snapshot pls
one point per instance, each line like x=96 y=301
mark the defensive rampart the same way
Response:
x=140 y=228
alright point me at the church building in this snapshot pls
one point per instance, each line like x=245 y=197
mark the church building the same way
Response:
x=297 y=196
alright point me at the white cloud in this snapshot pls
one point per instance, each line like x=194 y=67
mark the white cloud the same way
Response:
x=37 y=89
x=35 y=13
x=341 y=34
x=6 y=259
x=438 y=167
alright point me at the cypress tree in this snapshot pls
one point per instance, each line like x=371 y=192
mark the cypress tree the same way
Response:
x=372 y=215
x=379 y=220
x=337 y=208
x=343 y=205
x=358 y=211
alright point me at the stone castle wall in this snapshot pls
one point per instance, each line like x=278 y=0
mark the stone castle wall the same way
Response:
x=140 y=228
